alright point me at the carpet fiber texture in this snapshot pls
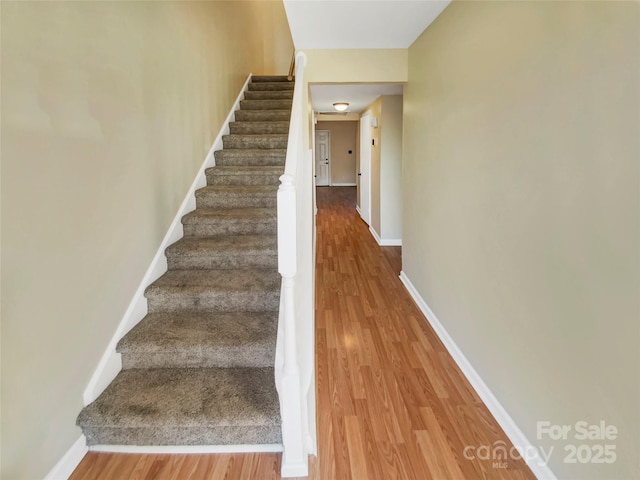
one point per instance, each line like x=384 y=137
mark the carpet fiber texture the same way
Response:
x=198 y=369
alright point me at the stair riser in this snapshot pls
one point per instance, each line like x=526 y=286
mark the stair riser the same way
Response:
x=235 y=435
x=269 y=95
x=213 y=179
x=202 y=262
x=252 y=356
x=259 y=142
x=229 y=200
x=262 y=115
x=237 y=227
x=265 y=104
x=270 y=86
x=163 y=301
x=258 y=128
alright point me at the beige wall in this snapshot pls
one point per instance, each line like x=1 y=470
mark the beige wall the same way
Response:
x=375 y=110
x=522 y=210
x=108 y=109
x=351 y=66
x=386 y=167
x=357 y=66
x=391 y=168
x=343 y=139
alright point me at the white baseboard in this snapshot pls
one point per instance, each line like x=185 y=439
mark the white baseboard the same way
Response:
x=295 y=470
x=110 y=363
x=385 y=242
x=187 y=449
x=70 y=460
x=348 y=184
x=540 y=469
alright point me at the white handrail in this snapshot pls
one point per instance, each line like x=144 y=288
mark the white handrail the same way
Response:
x=293 y=391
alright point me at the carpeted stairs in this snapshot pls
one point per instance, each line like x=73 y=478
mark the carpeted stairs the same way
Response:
x=198 y=369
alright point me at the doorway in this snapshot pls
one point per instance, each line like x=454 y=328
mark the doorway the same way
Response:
x=364 y=175
x=323 y=158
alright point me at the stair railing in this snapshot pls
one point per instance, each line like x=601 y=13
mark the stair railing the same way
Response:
x=295 y=334
x=292 y=66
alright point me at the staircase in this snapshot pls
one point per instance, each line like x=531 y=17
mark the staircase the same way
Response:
x=198 y=369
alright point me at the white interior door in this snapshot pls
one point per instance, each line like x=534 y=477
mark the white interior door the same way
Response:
x=323 y=157
x=364 y=175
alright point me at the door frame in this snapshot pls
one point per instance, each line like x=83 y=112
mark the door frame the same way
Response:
x=365 y=165
x=315 y=137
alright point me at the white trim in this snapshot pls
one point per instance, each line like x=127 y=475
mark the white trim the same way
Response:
x=359 y=211
x=536 y=464
x=385 y=242
x=69 y=461
x=365 y=160
x=291 y=469
x=348 y=184
x=315 y=146
x=110 y=363
x=187 y=449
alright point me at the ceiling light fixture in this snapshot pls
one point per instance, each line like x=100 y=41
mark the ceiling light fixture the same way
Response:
x=341 y=106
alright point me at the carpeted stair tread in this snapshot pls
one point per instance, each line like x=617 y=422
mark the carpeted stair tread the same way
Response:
x=271 y=78
x=201 y=339
x=246 y=170
x=215 y=196
x=255 y=141
x=241 y=157
x=244 y=175
x=237 y=280
x=185 y=406
x=224 y=252
x=220 y=290
x=268 y=95
x=265 y=104
x=230 y=221
x=279 y=115
x=257 y=128
x=224 y=245
x=270 y=86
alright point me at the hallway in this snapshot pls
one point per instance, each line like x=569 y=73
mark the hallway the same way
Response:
x=391 y=401
x=392 y=404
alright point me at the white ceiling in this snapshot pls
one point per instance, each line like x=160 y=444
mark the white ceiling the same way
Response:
x=358 y=96
x=360 y=23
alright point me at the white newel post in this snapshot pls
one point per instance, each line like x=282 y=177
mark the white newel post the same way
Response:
x=288 y=375
x=294 y=462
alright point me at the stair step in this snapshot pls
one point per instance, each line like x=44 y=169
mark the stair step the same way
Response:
x=185 y=406
x=203 y=340
x=270 y=86
x=265 y=104
x=223 y=252
x=256 y=142
x=257 y=128
x=268 y=95
x=251 y=290
x=244 y=175
x=239 y=157
x=230 y=221
x=262 y=115
x=236 y=196
x=270 y=78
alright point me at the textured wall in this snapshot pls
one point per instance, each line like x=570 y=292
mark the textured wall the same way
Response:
x=522 y=210
x=108 y=110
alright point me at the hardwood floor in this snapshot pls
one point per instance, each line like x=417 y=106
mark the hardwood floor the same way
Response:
x=392 y=403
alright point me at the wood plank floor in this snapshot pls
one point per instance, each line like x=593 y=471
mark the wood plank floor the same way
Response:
x=392 y=404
